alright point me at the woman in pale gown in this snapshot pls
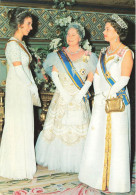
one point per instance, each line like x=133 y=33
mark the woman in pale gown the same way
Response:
x=17 y=155
x=105 y=163
x=60 y=143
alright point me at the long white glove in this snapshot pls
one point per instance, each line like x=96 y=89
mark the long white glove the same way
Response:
x=83 y=91
x=25 y=79
x=96 y=84
x=122 y=82
x=55 y=77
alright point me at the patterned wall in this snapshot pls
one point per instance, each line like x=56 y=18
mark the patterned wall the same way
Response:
x=92 y=21
x=3 y=72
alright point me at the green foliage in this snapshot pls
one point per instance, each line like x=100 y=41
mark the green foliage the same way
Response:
x=59 y=4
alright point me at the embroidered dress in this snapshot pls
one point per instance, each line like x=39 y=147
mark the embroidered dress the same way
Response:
x=106 y=157
x=60 y=143
x=17 y=155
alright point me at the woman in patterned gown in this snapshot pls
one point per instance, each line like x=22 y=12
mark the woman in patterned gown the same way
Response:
x=17 y=155
x=60 y=143
x=106 y=157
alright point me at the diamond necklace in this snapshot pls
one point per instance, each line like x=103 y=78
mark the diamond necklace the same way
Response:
x=73 y=52
x=112 y=51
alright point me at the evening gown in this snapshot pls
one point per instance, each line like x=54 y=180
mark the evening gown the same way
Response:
x=60 y=143
x=17 y=155
x=106 y=156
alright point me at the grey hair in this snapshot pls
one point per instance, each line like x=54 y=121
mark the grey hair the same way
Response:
x=80 y=29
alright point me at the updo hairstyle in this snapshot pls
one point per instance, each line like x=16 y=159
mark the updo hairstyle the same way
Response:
x=78 y=27
x=16 y=16
x=122 y=32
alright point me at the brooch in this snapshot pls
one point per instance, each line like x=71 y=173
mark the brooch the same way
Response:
x=82 y=71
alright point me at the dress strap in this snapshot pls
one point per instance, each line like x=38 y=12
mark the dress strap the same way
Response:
x=122 y=52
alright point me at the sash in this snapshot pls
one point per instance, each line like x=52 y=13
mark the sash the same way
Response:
x=68 y=66
x=111 y=81
x=23 y=49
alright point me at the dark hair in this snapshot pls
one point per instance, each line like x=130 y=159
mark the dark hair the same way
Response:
x=122 y=32
x=16 y=16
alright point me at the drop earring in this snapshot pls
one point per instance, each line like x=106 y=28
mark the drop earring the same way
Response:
x=116 y=39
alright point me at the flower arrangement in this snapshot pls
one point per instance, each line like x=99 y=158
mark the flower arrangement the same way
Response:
x=60 y=42
x=60 y=4
x=39 y=55
x=42 y=80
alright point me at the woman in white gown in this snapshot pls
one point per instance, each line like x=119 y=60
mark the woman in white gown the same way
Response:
x=60 y=143
x=17 y=155
x=106 y=158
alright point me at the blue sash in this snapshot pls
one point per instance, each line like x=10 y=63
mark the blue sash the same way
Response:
x=68 y=66
x=111 y=81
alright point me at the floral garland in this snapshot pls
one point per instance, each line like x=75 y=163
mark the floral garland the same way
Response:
x=60 y=4
x=39 y=55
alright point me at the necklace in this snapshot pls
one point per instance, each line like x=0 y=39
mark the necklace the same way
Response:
x=73 y=52
x=112 y=51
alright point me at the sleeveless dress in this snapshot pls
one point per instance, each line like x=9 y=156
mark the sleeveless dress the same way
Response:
x=106 y=156
x=17 y=155
x=60 y=143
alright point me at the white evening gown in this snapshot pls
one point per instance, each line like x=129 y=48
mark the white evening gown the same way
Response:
x=60 y=143
x=106 y=155
x=17 y=155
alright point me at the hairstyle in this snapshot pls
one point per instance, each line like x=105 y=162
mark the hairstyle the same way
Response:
x=16 y=16
x=80 y=29
x=119 y=28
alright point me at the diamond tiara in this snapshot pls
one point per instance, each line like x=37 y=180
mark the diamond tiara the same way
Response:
x=21 y=13
x=120 y=22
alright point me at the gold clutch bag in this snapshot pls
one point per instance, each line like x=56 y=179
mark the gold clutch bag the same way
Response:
x=114 y=105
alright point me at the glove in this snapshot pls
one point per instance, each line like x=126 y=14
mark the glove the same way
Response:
x=67 y=98
x=33 y=88
x=96 y=84
x=25 y=79
x=83 y=91
x=122 y=82
x=22 y=75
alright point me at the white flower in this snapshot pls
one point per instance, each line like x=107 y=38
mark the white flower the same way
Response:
x=63 y=21
x=38 y=57
x=87 y=46
x=69 y=19
x=55 y=43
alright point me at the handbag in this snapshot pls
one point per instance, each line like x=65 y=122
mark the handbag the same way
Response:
x=114 y=105
x=36 y=100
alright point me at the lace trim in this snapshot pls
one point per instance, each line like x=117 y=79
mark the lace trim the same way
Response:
x=68 y=138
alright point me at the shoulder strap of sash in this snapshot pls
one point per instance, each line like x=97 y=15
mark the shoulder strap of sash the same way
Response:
x=68 y=66
x=111 y=81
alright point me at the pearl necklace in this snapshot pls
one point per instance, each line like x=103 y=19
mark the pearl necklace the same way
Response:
x=73 y=52
x=112 y=51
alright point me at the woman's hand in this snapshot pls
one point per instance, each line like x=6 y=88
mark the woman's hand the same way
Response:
x=83 y=91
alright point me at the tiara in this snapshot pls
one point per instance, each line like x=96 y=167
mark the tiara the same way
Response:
x=120 y=22
x=21 y=13
x=80 y=26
